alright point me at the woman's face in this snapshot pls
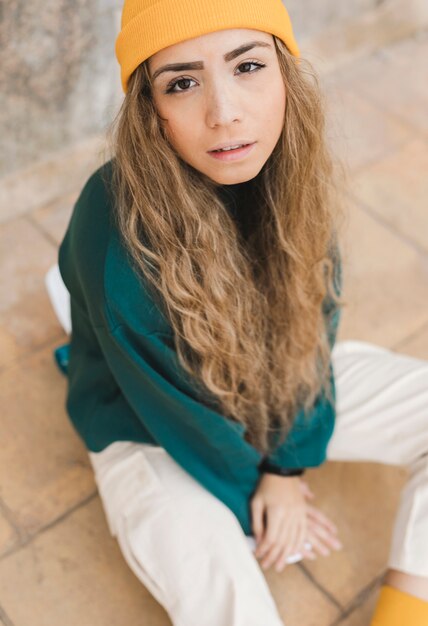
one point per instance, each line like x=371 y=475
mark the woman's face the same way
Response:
x=220 y=95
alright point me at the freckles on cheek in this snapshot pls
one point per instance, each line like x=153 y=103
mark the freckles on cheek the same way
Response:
x=174 y=135
x=170 y=130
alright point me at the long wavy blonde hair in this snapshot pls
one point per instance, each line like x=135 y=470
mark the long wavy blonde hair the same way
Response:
x=246 y=316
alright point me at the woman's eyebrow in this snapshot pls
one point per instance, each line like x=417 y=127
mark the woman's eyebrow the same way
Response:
x=199 y=65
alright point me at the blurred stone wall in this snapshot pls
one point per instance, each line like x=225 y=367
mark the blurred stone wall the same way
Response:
x=59 y=78
x=58 y=75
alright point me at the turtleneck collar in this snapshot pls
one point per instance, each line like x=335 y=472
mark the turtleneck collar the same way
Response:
x=240 y=199
x=239 y=193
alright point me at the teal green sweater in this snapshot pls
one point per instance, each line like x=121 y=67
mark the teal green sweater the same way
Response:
x=124 y=378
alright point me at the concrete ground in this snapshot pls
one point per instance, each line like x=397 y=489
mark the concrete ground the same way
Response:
x=58 y=564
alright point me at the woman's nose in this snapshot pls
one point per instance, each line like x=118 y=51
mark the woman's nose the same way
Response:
x=222 y=107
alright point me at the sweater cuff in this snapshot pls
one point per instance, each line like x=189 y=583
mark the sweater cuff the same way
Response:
x=267 y=467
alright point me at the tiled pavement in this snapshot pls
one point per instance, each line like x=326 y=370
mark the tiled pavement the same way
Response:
x=58 y=563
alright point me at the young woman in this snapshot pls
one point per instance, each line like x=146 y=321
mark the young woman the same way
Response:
x=204 y=273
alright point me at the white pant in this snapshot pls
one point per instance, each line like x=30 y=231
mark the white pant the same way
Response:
x=187 y=547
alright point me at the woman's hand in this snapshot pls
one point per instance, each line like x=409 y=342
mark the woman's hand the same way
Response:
x=281 y=500
x=320 y=527
x=290 y=521
x=322 y=533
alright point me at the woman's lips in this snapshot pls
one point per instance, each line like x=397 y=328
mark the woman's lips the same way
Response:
x=233 y=155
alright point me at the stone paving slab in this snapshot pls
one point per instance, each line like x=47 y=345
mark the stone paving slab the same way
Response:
x=361 y=499
x=299 y=601
x=27 y=320
x=75 y=573
x=345 y=43
x=359 y=131
x=396 y=189
x=44 y=467
x=49 y=178
x=54 y=217
x=8 y=535
x=393 y=78
x=416 y=344
x=385 y=282
x=362 y=615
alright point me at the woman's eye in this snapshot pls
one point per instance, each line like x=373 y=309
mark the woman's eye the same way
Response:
x=258 y=65
x=171 y=86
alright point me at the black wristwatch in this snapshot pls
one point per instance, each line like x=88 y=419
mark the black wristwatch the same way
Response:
x=270 y=468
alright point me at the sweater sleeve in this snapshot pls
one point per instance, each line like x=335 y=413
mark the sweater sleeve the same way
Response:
x=95 y=403
x=306 y=442
x=209 y=446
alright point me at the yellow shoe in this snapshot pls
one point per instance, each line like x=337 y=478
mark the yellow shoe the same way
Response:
x=398 y=608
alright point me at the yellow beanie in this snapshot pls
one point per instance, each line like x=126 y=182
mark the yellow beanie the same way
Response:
x=148 y=26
